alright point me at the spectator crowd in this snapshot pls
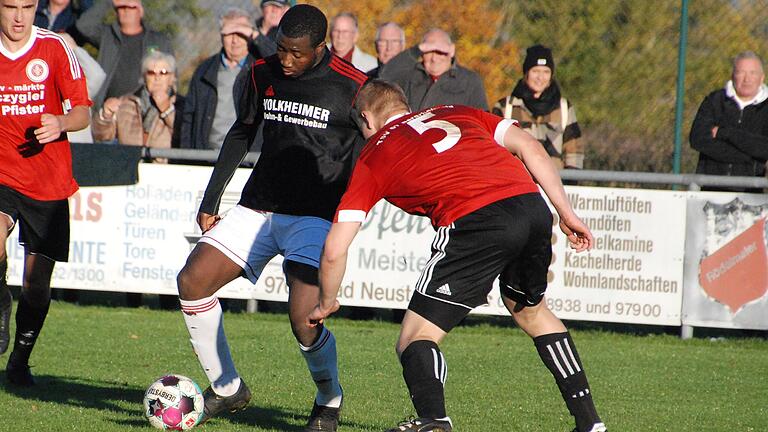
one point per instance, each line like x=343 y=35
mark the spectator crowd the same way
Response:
x=133 y=84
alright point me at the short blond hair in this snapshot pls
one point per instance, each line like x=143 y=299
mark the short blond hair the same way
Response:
x=381 y=98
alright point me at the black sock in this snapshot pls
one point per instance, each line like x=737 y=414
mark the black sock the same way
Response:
x=425 y=371
x=29 y=322
x=4 y=297
x=558 y=353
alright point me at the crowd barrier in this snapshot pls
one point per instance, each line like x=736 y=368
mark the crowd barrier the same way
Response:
x=670 y=258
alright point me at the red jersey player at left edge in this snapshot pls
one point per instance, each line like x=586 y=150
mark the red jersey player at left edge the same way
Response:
x=42 y=97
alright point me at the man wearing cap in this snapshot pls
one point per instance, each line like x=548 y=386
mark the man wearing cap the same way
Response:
x=430 y=76
x=537 y=105
x=121 y=44
x=264 y=34
x=210 y=108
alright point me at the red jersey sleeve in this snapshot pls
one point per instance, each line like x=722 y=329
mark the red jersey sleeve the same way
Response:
x=70 y=80
x=495 y=125
x=362 y=194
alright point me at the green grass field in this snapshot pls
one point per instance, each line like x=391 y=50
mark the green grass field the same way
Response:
x=92 y=365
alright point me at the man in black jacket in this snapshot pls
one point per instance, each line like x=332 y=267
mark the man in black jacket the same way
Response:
x=210 y=108
x=730 y=130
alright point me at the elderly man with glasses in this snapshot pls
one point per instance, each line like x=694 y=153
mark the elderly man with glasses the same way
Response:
x=390 y=41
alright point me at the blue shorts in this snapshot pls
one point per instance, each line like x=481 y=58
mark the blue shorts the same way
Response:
x=252 y=238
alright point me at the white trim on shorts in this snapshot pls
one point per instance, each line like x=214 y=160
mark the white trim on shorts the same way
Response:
x=439 y=243
x=233 y=233
x=251 y=238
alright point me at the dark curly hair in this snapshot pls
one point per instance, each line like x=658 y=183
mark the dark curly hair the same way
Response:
x=304 y=20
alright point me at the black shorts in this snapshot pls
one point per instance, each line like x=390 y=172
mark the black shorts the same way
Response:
x=43 y=225
x=511 y=239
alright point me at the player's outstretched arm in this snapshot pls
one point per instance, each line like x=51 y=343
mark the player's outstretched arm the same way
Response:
x=236 y=145
x=52 y=126
x=538 y=162
x=333 y=265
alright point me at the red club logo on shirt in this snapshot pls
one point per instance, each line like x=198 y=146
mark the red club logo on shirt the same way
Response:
x=270 y=92
x=37 y=70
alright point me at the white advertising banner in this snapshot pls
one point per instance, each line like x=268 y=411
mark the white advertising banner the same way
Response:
x=133 y=238
x=633 y=275
x=136 y=239
x=726 y=275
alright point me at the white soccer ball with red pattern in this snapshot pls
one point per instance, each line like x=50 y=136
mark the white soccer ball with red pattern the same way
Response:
x=174 y=402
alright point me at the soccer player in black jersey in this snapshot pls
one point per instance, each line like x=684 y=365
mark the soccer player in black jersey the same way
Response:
x=303 y=96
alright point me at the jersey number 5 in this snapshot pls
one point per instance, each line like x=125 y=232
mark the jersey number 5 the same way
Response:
x=452 y=132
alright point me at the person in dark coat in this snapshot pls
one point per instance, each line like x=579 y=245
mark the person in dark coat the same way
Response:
x=730 y=130
x=211 y=105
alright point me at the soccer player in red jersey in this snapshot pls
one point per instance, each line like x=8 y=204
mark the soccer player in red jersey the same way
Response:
x=453 y=165
x=43 y=96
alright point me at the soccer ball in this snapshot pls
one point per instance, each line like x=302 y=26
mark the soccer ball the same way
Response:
x=174 y=402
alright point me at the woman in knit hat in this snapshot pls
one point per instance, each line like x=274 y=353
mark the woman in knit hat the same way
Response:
x=536 y=103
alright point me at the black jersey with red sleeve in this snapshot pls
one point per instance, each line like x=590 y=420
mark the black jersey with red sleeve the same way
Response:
x=311 y=138
x=43 y=77
x=444 y=162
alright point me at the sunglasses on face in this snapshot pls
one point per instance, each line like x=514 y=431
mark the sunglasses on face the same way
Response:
x=158 y=72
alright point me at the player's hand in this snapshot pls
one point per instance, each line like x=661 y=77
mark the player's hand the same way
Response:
x=246 y=31
x=207 y=221
x=579 y=236
x=438 y=47
x=320 y=313
x=52 y=126
x=161 y=97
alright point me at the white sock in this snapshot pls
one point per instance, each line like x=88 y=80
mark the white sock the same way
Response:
x=206 y=333
x=321 y=361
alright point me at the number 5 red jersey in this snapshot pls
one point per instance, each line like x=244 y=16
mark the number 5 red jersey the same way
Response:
x=443 y=162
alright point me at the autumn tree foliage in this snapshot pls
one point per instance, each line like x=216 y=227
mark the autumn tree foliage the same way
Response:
x=617 y=61
x=474 y=26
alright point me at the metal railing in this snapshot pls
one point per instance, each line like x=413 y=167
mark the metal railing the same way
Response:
x=693 y=182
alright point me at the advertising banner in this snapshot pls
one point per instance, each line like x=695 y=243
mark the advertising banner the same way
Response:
x=633 y=275
x=136 y=239
x=726 y=275
x=133 y=238
x=634 y=272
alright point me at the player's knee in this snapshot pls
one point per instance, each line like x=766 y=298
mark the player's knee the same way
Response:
x=527 y=314
x=185 y=281
x=303 y=333
x=37 y=291
x=36 y=281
